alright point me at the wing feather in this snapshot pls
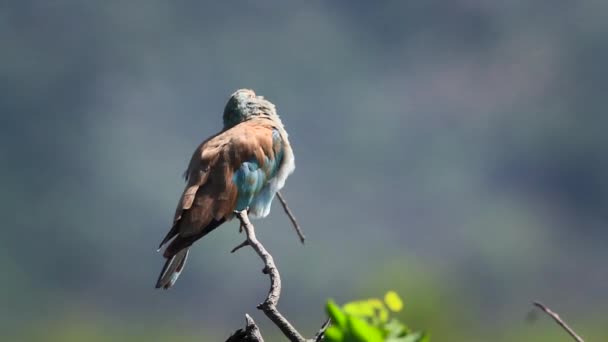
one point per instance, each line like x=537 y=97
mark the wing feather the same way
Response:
x=211 y=194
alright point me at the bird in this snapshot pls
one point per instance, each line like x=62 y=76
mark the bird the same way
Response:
x=240 y=168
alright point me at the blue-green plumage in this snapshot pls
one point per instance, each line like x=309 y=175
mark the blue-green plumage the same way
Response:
x=249 y=180
x=253 y=180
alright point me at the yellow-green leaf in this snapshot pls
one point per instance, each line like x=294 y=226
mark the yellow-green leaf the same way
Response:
x=338 y=317
x=393 y=301
x=334 y=334
x=364 y=332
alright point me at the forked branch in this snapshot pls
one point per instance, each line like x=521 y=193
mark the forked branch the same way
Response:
x=269 y=306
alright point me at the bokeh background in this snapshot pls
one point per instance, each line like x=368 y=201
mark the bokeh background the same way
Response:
x=454 y=151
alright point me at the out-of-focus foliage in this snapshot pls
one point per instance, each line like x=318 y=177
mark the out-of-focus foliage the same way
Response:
x=369 y=321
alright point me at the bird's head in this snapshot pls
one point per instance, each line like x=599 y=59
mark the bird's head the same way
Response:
x=244 y=104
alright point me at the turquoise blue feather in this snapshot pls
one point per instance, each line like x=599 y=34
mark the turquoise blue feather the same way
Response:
x=249 y=180
x=252 y=180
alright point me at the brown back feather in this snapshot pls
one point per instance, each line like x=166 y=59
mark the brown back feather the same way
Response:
x=210 y=195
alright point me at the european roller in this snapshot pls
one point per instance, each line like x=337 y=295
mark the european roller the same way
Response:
x=241 y=167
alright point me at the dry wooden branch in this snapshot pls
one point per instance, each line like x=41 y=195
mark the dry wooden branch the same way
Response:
x=559 y=321
x=292 y=218
x=269 y=306
x=321 y=333
x=251 y=333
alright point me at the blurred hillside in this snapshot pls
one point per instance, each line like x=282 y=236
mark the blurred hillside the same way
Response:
x=452 y=151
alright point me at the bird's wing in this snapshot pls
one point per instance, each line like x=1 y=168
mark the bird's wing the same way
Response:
x=224 y=175
x=196 y=175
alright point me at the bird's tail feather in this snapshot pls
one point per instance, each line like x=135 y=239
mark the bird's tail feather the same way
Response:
x=172 y=269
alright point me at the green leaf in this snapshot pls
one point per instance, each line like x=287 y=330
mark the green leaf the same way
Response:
x=338 y=317
x=359 y=309
x=416 y=337
x=394 y=329
x=371 y=309
x=368 y=321
x=334 y=334
x=363 y=332
x=393 y=301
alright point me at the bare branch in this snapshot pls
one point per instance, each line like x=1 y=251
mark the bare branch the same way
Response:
x=292 y=218
x=321 y=333
x=269 y=305
x=250 y=334
x=559 y=321
x=241 y=245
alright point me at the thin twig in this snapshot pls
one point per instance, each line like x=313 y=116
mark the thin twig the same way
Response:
x=321 y=333
x=241 y=245
x=269 y=305
x=559 y=321
x=292 y=218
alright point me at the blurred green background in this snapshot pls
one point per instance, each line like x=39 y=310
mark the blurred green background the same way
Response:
x=454 y=151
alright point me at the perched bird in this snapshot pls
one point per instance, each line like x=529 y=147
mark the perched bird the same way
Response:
x=241 y=167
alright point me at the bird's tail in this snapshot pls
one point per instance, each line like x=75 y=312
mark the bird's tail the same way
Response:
x=172 y=269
